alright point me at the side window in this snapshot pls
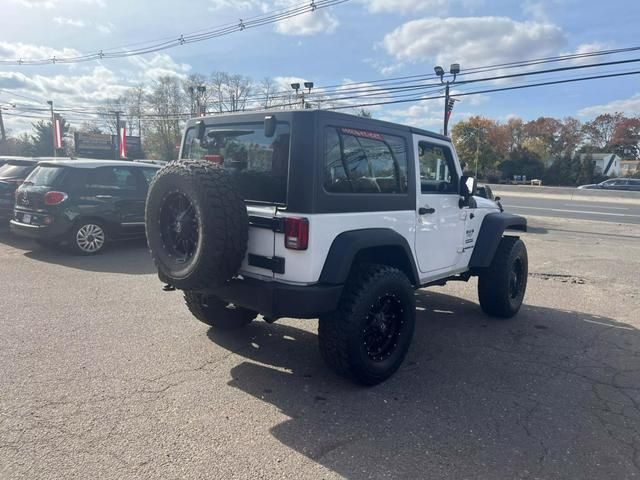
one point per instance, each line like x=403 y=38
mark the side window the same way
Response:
x=113 y=178
x=358 y=161
x=437 y=170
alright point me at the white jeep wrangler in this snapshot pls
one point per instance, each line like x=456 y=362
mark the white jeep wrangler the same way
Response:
x=316 y=214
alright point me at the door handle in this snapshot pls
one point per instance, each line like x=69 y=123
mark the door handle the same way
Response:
x=425 y=210
x=104 y=196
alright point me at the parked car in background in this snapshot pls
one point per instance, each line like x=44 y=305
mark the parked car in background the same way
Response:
x=632 y=184
x=83 y=203
x=12 y=174
x=160 y=163
x=484 y=191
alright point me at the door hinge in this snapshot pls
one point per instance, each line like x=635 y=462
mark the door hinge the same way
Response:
x=275 y=264
x=270 y=223
x=460 y=249
x=463 y=215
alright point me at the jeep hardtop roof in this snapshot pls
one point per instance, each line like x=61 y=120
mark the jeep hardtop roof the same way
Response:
x=329 y=115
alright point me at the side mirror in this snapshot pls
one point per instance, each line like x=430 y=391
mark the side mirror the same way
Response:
x=270 y=124
x=467 y=189
x=468 y=186
x=201 y=128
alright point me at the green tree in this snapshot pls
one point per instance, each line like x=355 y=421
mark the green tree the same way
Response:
x=42 y=138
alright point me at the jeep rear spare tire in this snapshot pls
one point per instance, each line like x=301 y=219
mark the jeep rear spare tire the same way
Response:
x=197 y=225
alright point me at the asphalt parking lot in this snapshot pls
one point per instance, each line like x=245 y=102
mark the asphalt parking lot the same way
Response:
x=104 y=375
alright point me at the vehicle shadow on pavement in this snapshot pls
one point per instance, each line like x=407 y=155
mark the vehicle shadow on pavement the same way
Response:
x=130 y=257
x=548 y=394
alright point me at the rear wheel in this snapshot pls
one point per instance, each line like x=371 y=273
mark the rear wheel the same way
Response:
x=501 y=287
x=88 y=238
x=217 y=313
x=369 y=335
x=196 y=224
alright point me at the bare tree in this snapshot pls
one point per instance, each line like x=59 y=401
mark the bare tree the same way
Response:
x=166 y=103
x=134 y=106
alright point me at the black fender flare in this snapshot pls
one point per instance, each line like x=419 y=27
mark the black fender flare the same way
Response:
x=491 y=231
x=347 y=245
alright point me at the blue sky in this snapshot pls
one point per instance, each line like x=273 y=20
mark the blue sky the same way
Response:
x=360 y=40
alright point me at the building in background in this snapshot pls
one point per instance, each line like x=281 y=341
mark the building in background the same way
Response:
x=607 y=164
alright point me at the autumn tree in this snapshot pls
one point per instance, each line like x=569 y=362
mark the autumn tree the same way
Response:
x=473 y=141
x=600 y=131
x=626 y=138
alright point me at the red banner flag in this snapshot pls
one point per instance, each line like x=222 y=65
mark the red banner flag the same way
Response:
x=123 y=140
x=57 y=132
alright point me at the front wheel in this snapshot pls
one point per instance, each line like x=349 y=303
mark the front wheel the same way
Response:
x=501 y=286
x=368 y=336
x=217 y=313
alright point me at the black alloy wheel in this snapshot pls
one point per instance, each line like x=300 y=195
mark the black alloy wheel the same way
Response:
x=179 y=226
x=383 y=327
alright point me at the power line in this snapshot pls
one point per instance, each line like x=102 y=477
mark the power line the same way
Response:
x=492 y=90
x=183 y=39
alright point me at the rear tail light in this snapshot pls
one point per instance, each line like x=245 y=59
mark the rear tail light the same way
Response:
x=296 y=233
x=217 y=159
x=54 y=198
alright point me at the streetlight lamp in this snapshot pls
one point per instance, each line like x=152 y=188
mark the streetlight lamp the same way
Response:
x=296 y=87
x=454 y=70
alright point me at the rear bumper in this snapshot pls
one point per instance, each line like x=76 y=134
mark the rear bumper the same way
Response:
x=45 y=232
x=276 y=300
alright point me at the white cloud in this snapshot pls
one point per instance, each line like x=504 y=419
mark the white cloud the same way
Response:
x=589 y=48
x=630 y=107
x=422 y=115
x=160 y=65
x=25 y=51
x=238 y=5
x=312 y=23
x=536 y=10
x=472 y=41
x=105 y=28
x=406 y=6
x=69 y=21
x=49 y=4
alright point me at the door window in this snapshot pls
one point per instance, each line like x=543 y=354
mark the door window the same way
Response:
x=358 y=161
x=437 y=170
x=113 y=178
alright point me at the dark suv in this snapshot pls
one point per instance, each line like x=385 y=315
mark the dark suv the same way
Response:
x=84 y=203
x=12 y=173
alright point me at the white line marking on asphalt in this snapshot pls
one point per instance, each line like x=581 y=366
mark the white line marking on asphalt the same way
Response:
x=574 y=211
x=609 y=325
x=593 y=206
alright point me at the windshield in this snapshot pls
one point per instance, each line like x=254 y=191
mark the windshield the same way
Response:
x=44 y=176
x=259 y=163
x=15 y=171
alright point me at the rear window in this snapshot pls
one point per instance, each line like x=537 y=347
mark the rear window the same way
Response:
x=44 y=176
x=260 y=163
x=17 y=171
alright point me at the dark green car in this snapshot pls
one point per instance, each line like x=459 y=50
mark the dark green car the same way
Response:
x=84 y=203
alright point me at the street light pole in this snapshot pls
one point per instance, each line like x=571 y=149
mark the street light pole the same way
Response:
x=53 y=129
x=454 y=70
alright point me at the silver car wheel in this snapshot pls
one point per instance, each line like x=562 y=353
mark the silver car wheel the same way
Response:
x=90 y=238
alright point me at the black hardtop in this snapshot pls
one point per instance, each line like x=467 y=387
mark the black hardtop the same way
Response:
x=326 y=115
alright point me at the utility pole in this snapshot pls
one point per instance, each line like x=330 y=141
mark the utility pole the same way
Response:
x=454 y=70
x=53 y=129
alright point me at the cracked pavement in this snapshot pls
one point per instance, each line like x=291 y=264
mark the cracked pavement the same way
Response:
x=104 y=375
